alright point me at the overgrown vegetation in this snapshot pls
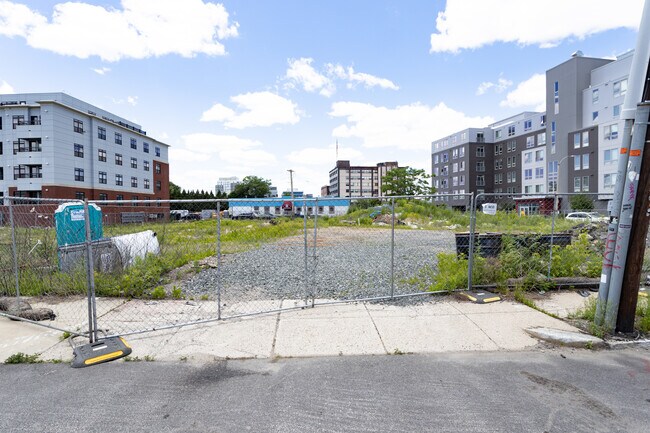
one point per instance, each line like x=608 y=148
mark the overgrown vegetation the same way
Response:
x=23 y=358
x=588 y=312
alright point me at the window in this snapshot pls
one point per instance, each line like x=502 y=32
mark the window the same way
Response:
x=611 y=156
x=101 y=155
x=79 y=150
x=530 y=141
x=594 y=96
x=498 y=134
x=454 y=167
x=498 y=178
x=528 y=125
x=119 y=197
x=576 y=184
x=620 y=88
x=445 y=157
x=616 y=111
x=576 y=162
x=157 y=168
x=445 y=170
x=118 y=159
x=118 y=138
x=454 y=181
x=610 y=180
x=2 y=174
x=528 y=157
x=158 y=185
x=512 y=161
x=157 y=151
x=145 y=147
x=134 y=182
x=145 y=165
x=611 y=131
x=539 y=173
x=454 y=154
x=480 y=180
x=512 y=146
x=594 y=116
x=585 y=161
x=103 y=196
x=528 y=174
x=461 y=166
x=463 y=136
x=498 y=164
x=134 y=163
x=542 y=120
x=480 y=165
x=436 y=160
x=511 y=176
x=17 y=120
x=498 y=149
x=585 y=183
x=80 y=195
x=146 y=184
x=461 y=180
x=78 y=126
x=539 y=188
x=556 y=95
x=119 y=180
x=79 y=174
x=585 y=139
x=541 y=138
x=436 y=171
x=511 y=130
x=553 y=137
x=480 y=151
x=528 y=189
x=461 y=151
x=103 y=177
x=101 y=133
x=134 y=143
x=576 y=140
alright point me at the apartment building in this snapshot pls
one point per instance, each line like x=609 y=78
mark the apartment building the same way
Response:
x=55 y=146
x=357 y=181
x=572 y=147
x=227 y=184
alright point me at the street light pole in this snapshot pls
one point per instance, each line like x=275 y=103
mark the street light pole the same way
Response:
x=293 y=207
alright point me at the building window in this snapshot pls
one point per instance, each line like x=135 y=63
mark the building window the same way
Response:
x=145 y=165
x=539 y=188
x=158 y=185
x=146 y=183
x=435 y=171
x=157 y=151
x=556 y=96
x=445 y=170
x=585 y=183
x=101 y=155
x=454 y=154
x=454 y=167
x=118 y=159
x=145 y=147
x=134 y=163
x=498 y=178
x=461 y=166
x=80 y=195
x=119 y=197
x=119 y=181
x=511 y=130
x=594 y=116
x=480 y=165
x=585 y=139
x=576 y=184
x=539 y=155
x=528 y=157
x=118 y=138
x=512 y=146
x=530 y=141
x=594 y=96
x=79 y=150
x=498 y=134
x=445 y=157
x=541 y=138
x=134 y=143
x=611 y=131
x=103 y=177
x=17 y=120
x=480 y=151
x=609 y=180
x=542 y=120
x=436 y=159
x=528 y=189
x=620 y=88
x=480 y=180
x=134 y=182
x=528 y=125
x=576 y=162
x=461 y=151
x=611 y=156
x=498 y=164
x=103 y=196
x=511 y=176
x=461 y=179
x=553 y=137
x=157 y=168
x=454 y=181
x=585 y=161
x=539 y=173
x=528 y=174
x=512 y=161
x=78 y=126
x=79 y=174
x=101 y=133
x=616 y=111
x=576 y=140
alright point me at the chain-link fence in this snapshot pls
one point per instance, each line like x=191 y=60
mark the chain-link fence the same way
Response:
x=155 y=264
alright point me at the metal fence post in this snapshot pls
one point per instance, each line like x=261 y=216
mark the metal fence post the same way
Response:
x=550 y=254
x=392 y=248
x=472 y=228
x=90 y=273
x=306 y=270
x=315 y=260
x=14 y=250
x=218 y=260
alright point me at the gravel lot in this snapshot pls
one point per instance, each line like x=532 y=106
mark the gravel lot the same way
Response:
x=350 y=263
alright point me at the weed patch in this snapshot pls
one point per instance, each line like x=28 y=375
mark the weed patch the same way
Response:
x=23 y=358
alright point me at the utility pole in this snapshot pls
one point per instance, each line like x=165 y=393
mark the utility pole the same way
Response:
x=293 y=205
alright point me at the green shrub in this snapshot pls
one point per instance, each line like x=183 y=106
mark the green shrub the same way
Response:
x=177 y=293
x=23 y=358
x=158 y=293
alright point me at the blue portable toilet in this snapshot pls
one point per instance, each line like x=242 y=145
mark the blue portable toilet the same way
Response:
x=69 y=219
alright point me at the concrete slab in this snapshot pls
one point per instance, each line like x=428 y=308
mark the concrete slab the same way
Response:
x=440 y=308
x=344 y=329
x=563 y=303
x=25 y=337
x=567 y=338
x=467 y=307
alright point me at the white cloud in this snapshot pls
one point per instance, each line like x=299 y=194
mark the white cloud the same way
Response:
x=405 y=127
x=228 y=148
x=132 y=100
x=353 y=77
x=303 y=73
x=501 y=85
x=530 y=93
x=140 y=29
x=322 y=155
x=467 y=24
x=6 y=87
x=102 y=70
x=255 y=109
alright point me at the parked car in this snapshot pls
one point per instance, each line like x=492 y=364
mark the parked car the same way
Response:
x=191 y=217
x=586 y=217
x=245 y=216
x=266 y=216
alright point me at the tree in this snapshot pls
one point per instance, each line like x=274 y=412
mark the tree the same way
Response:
x=407 y=181
x=252 y=187
x=582 y=202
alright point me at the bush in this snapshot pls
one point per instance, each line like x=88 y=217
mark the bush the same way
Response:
x=581 y=202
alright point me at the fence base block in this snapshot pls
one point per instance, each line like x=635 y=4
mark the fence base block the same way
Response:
x=481 y=297
x=108 y=349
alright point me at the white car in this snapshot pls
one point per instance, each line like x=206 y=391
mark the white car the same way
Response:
x=586 y=216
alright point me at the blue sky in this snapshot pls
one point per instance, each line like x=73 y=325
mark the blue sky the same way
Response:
x=259 y=87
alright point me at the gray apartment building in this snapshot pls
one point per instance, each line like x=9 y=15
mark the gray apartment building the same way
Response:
x=572 y=147
x=55 y=146
x=357 y=181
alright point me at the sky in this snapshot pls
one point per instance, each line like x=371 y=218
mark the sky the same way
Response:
x=260 y=87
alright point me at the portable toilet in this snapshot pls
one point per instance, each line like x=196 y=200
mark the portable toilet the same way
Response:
x=70 y=224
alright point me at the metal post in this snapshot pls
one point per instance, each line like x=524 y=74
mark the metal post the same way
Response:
x=92 y=308
x=218 y=260
x=304 y=219
x=392 y=248
x=550 y=253
x=315 y=262
x=472 y=228
x=14 y=250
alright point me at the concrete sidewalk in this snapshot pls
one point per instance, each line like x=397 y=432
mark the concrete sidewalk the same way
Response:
x=442 y=324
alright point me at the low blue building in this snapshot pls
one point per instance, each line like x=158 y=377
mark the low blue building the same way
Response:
x=283 y=206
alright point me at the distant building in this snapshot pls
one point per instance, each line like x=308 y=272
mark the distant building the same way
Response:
x=273 y=191
x=327 y=206
x=325 y=191
x=227 y=184
x=358 y=181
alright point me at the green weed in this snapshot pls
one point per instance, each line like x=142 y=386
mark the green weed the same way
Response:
x=23 y=358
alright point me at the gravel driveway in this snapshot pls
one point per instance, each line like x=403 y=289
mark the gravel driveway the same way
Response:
x=350 y=263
